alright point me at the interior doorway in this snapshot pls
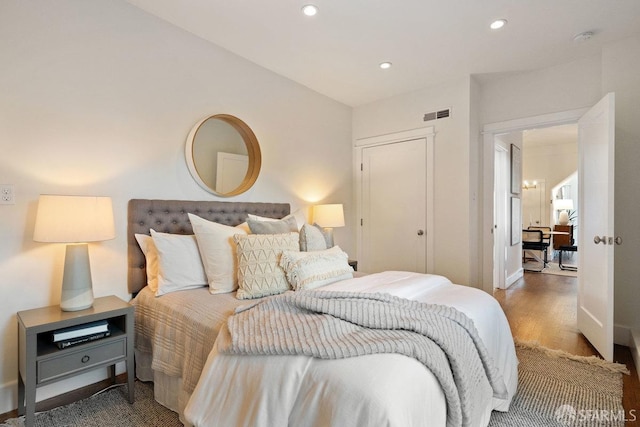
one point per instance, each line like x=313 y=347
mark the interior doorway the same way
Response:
x=596 y=147
x=507 y=133
x=549 y=155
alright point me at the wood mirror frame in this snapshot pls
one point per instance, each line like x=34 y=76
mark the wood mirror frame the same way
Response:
x=252 y=149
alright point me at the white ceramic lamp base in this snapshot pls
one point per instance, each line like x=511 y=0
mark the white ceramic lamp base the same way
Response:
x=563 y=218
x=77 y=291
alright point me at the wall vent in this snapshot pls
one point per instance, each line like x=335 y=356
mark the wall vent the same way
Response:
x=430 y=116
x=437 y=115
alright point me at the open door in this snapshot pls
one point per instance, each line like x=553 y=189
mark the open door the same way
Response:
x=596 y=148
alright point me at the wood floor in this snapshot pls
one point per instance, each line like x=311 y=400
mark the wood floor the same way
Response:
x=542 y=308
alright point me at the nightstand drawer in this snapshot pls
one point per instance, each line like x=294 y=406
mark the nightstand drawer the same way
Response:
x=72 y=361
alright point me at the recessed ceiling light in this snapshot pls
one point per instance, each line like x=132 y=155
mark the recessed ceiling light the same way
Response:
x=498 y=23
x=385 y=65
x=310 y=9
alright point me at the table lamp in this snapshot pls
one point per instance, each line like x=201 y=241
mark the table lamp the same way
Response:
x=563 y=205
x=328 y=217
x=75 y=220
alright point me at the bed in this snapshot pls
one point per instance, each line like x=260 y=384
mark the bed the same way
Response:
x=180 y=338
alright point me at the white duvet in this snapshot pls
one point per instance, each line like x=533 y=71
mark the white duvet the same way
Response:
x=376 y=390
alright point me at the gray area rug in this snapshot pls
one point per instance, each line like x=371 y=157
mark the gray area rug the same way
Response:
x=555 y=389
x=559 y=389
x=107 y=409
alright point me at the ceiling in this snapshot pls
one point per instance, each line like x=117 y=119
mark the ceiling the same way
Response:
x=337 y=52
x=555 y=135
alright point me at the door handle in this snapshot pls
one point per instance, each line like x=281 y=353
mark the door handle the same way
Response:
x=618 y=240
x=420 y=232
x=599 y=239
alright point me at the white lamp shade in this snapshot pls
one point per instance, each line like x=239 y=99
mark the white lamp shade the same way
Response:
x=74 y=219
x=562 y=204
x=329 y=216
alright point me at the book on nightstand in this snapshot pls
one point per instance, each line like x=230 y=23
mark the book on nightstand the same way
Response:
x=80 y=331
x=80 y=340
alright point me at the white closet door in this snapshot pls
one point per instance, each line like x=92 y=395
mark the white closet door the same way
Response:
x=394 y=194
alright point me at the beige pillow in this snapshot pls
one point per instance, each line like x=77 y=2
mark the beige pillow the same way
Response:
x=179 y=264
x=218 y=252
x=309 y=270
x=151 y=255
x=259 y=273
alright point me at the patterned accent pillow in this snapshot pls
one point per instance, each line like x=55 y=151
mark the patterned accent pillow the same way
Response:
x=310 y=270
x=312 y=238
x=259 y=272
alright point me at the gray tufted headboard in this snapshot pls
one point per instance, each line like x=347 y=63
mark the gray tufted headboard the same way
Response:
x=170 y=216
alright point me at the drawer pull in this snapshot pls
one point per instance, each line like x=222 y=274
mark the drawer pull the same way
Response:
x=85 y=359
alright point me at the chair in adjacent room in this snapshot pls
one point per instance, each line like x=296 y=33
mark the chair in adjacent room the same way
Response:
x=567 y=248
x=533 y=240
x=546 y=232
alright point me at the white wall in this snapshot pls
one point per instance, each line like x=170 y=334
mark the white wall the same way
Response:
x=98 y=98
x=564 y=87
x=620 y=65
x=551 y=163
x=452 y=171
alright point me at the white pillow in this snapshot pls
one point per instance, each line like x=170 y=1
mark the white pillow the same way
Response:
x=151 y=255
x=298 y=215
x=312 y=238
x=309 y=270
x=179 y=263
x=218 y=253
x=259 y=273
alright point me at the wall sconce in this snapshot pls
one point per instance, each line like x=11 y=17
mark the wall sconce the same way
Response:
x=75 y=220
x=529 y=186
x=329 y=217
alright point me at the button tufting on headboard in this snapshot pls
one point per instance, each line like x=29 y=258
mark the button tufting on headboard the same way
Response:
x=170 y=216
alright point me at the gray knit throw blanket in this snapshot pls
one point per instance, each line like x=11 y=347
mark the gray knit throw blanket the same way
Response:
x=335 y=325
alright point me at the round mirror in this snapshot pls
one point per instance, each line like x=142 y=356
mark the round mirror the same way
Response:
x=223 y=155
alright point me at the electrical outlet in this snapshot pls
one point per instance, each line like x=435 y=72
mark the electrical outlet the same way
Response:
x=7 y=196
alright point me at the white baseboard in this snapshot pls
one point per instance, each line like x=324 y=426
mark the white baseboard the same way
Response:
x=622 y=335
x=514 y=277
x=9 y=391
x=8 y=396
x=635 y=348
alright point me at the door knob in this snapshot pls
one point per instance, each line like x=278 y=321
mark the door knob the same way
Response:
x=618 y=240
x=420 y=232
x=599 y=239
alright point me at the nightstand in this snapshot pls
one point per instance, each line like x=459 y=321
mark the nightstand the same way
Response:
x=354 y=264
x=41 y=362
